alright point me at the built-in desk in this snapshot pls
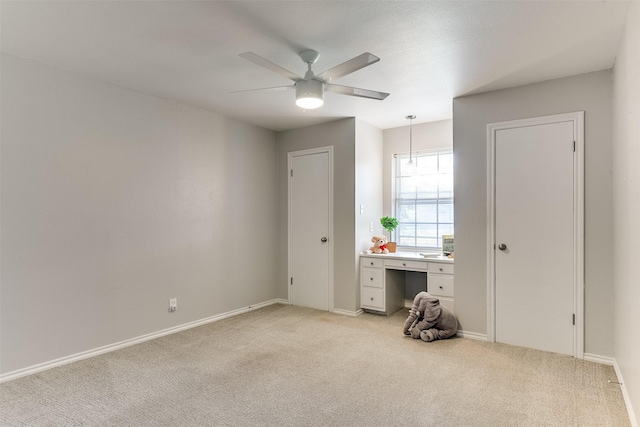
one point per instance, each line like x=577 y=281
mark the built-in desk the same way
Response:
x=382 y=279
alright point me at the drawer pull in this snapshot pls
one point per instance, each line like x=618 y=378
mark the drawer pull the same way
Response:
x=440 y=287
x=371 y=298
x=371 y=278
x=372 y=263
x=404 y=264
x=440 y=268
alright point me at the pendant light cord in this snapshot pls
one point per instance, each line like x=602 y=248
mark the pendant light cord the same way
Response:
x=411 y=117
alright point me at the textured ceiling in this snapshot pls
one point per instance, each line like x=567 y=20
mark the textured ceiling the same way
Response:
x=431 y=51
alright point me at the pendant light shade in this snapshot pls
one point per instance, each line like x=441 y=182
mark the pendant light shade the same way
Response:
x=309 y=94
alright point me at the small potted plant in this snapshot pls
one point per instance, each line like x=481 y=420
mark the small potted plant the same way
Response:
x=389 y=223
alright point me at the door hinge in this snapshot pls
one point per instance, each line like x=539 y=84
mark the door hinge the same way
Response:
x=574 y=146
x=292 y=280
x=574 y=319
x=291 y=172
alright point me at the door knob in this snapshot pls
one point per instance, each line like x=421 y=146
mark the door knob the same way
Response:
x=323 y=240
x=502 y=247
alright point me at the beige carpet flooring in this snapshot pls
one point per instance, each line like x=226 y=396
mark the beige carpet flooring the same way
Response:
x=291 y=366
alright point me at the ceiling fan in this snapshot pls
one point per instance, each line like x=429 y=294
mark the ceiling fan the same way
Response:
x=310 y=88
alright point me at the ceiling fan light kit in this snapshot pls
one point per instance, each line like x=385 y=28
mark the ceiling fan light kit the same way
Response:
x=310 y=89
x=309 y=94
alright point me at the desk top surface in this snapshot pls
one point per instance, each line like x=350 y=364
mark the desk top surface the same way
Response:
x=413 y=256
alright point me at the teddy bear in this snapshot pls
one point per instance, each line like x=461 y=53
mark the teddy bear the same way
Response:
x=379 y=245
x=428 y=320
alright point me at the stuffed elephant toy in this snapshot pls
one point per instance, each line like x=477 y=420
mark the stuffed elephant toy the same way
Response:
x=428 y=320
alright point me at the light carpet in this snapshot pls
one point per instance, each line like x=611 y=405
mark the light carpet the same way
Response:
x=292 y=366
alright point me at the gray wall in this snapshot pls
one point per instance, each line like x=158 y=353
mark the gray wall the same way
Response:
x=113 y=202
x=369 y=148
x=591 y=93
x=341 y=135
x=368 y=191
x=626 y=208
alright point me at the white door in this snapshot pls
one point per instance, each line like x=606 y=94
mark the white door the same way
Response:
x=309 y=228
x=535 y=236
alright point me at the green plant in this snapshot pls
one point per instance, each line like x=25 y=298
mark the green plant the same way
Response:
x=389 y=223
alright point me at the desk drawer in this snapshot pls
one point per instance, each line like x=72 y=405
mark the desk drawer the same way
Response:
x=400 y=264
x=372 y=277
x=440 y=285
x=440 y=267
x=372 y=298
x=372 y=262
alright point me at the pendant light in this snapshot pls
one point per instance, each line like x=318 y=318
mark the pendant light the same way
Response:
x=411 y=165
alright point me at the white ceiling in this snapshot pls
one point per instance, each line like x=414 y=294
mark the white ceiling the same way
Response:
x=431 y=51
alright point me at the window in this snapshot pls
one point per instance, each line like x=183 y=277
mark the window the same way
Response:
x=424 y=199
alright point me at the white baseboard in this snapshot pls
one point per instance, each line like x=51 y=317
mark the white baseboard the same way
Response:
x=627 y=399
x=599 y=359
x=126 y=343
x=472 y=335
x=347 y=312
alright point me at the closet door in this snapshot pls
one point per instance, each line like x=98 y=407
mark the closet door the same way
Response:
x=535 y=252
x=309 y=229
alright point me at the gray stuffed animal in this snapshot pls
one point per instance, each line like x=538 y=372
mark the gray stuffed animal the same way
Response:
x=428 y=320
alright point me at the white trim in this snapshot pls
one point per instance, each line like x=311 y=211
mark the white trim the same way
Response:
x=577 y=118
x=133 y=341
x=394 y=178
x=347 y=312
x=290 y=156
x=625 y=395
x=604 y=360
x=424 y=151
x=472 y=335
x=392 y=202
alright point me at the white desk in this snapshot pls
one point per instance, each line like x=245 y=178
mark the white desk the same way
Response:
x=382 y=279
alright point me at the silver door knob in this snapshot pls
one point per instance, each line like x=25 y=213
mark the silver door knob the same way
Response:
x=323 y=240
x=502 y=247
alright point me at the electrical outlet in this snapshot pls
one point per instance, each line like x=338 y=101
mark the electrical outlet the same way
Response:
x=173 y=304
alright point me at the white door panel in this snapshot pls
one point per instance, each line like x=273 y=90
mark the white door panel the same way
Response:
x=309 y=229
x=534 y=219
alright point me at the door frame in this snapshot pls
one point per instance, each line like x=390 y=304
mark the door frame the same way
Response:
x=577 y=118
x=290 y=156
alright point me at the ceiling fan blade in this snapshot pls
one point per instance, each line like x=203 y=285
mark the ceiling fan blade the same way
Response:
x=354 y=64
x=354 y=91
x=266 y=89
x=256 y=59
